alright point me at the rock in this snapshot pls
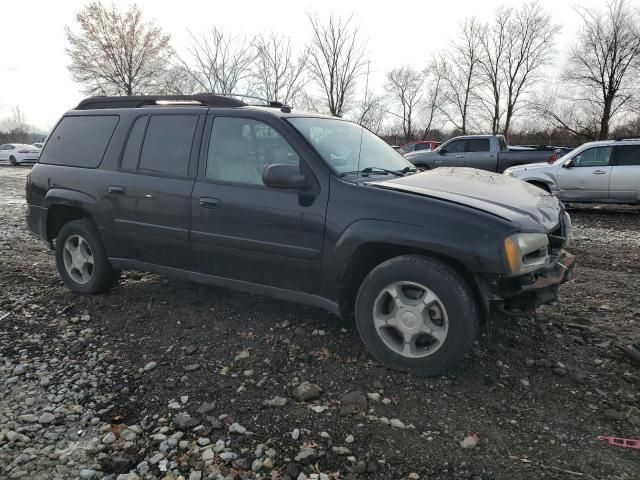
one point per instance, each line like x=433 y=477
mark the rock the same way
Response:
x=267 y=463
x=128 y=435
x=340 y=450
x=156 y=458
x=206 y=407
x=275 y=402
x=228 y=456
x=208 y=454
x=614 y=415
x=237 y=428
x=319 y=408
x=414 y=476
x=195 y=475
x=524 y=382
x=87 y=474
x=184 y=421
x=397 y=423
x=192 y=367
x=295 y=434
x=470 y=440
x=305 y=392
x=46 y=418
x=241 y=356
x=256 y=465
x=306 y=454
x=374 y=396
x=352 y=403
x=149 y=366
x=118 y=463
x=109 y=438
x=190 y=349
x=216 y=423
x=349 y=439
x=28 y=418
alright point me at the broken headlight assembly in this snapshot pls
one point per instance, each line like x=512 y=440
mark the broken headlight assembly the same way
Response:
x=526 y=252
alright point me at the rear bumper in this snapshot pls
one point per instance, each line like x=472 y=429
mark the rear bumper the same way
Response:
x=37 y=221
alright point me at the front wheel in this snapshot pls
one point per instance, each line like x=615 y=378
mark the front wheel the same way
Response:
x=416 y=314
x=81 y=259
x=13 y=161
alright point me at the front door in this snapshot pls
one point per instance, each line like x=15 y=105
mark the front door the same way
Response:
x=452 y=155
x=586 y=176
x=242 y=230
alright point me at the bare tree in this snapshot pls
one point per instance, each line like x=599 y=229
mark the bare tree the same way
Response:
x=433 y=97
x=603 y=68
x=404 y=84
x=15 y=128
x=371 y=112
x=116 y=52
x=278 y=73
x=530 y=42
x=336 y=59
x=459 y=68
x=219 y=62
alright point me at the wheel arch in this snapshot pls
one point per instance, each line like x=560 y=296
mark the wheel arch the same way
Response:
x=64 y=206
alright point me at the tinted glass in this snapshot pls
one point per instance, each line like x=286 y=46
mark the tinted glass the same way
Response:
x=167 y=144
x=478 y=145
x=593 y=157
x=409 y=148
x=628 y=155
x=455 y=147
x=422 y=146
x=132 y=150
x=240 y=149
x=79 y=141
x=347 y=147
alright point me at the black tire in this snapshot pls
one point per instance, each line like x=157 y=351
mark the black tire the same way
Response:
x=452 y=291
x=422 y=166
x=540 y=185
x=12 y=160
x=103 y=276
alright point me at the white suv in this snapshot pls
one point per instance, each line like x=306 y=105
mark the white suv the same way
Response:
x=606 y=171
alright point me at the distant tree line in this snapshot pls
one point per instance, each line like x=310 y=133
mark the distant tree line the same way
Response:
x=494 y=76
x=15 y=129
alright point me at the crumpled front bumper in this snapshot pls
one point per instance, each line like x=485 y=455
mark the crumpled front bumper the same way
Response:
x=523 y=294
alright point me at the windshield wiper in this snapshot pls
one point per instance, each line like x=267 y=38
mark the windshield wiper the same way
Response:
x=369 y=170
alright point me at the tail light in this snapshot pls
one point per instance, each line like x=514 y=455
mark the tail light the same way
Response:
x=27 y=188
x=553 y=158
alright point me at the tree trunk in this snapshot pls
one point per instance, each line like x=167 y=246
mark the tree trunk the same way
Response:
x=606 y=117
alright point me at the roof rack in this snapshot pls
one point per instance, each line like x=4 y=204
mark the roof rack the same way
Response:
x=629 y=138
x=137 y=101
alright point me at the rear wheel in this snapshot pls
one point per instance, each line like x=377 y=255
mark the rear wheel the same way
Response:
x=416 y=314
x=81 y=259
x=13 y=161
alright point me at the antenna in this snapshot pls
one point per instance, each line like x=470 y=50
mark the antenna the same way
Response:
x=366 y=93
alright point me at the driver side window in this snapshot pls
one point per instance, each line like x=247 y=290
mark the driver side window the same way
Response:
x=240 y=149
x=454 y=147
x=593 y=157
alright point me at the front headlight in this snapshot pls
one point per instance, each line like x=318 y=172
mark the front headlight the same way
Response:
x=526 y=252
x=508 y=173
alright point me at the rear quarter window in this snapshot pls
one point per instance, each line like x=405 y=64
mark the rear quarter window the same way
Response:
x=79 y=141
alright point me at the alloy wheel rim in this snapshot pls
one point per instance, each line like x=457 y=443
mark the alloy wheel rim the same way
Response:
x=78 y=259
x=410 y=319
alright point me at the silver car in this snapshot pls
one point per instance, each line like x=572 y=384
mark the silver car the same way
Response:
x=606 y=171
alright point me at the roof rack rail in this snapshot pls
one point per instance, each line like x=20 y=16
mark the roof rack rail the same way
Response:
x=627 y=138
x=269 y=103
x=137 y=101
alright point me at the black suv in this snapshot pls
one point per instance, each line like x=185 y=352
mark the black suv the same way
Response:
x=297 y=206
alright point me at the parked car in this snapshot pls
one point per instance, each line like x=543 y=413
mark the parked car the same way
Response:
x=419 y=146
x=486 y=152
x=38 y=145
x=606 y=171
x=560 y=151
x=297 y=206
x=18 y=153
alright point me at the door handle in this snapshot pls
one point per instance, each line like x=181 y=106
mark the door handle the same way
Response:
x=113 y=190
x=598 y=172
x=208 y=202
x=459 y=156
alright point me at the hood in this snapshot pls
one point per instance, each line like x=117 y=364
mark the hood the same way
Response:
x=499 y=195
x=530 y=166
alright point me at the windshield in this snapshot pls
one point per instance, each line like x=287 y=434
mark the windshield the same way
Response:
x=347 y=147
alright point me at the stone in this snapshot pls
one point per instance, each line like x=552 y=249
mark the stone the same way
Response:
x=305 y=392
x=87 y=474
x=237 y=428
x=149 y=366
x=46 y=418
x=256 y=465
x=352 y=403
x=208 y=454
x=109 y=438
x=275 y=402
x=184 y=421
x=397 y=423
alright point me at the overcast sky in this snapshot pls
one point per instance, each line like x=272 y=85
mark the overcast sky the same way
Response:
x=33 y=66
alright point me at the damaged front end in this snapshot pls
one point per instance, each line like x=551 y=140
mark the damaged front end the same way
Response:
x=539 y=269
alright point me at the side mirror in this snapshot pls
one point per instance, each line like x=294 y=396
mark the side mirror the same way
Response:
x=566 y=164
x=281 y=175
x=442 y=151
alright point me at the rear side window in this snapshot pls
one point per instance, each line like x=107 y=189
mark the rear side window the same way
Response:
x=478 y=145
x=628 y=155
x=167 y=144
x=134 y=142
x=79 y=141
x=421 y=146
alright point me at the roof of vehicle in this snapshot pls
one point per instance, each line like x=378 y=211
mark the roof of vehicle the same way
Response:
x=477 y=136
x=424 y=141
x=206 y=100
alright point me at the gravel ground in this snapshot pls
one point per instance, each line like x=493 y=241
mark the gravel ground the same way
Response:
x=168 y=379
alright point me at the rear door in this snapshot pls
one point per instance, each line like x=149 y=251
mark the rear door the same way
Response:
x=586 y=177
x=478 y=154
x=150 y=195
x=4 y=152
x=452 y=155
x=242 y=230
x=624 y=185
